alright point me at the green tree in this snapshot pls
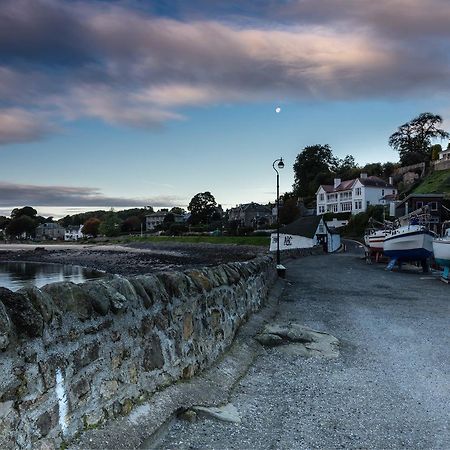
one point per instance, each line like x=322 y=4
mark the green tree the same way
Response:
x=289 y=211
x=202 y=206
x=110 y=225
x=132 y=223
x=413 y=139
x=25 y=211
x=312 y=165
x=177 y=210
x=22 y=224
x=91 y=227
x=435 y=150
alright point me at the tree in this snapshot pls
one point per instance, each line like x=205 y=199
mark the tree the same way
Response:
x=91 y=227
x=313 y=163
x=110 y=225
x=435 y=150
x=413 y=139
x=25 y=211
x=177 y=210
x=289 y=211
x=132 y=223
x=202 y=206
x=22 y=224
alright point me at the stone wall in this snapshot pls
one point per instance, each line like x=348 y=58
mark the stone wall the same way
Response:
x=73 y=356
x=441 y=164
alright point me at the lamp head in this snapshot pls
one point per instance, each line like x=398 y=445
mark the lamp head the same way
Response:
x=281 y=164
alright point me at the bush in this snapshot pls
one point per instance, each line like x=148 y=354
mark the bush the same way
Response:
x=358 y=223
x=177 y=229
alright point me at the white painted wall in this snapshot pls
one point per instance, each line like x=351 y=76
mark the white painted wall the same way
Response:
x=290 y=241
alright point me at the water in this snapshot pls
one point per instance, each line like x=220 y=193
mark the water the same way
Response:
x=15 y=275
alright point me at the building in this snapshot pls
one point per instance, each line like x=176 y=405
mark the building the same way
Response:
x=157 y=218
x=416 y=201
x=251 y=215
x=73 y=233
x=307 y=232
x=50 y=231
x=353 y=196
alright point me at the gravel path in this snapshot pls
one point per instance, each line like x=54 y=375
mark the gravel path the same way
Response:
x=388 y=389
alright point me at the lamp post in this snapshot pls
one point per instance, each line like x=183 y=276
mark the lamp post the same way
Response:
x=280 y=165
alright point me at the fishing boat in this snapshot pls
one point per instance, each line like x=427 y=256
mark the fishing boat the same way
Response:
x=441 y=250
x=412 y=242
x=374 y=239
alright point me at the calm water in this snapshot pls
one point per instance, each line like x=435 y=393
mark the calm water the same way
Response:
x=15 y=275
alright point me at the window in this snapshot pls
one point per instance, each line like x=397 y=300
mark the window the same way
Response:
x=321 y=209
x=419 y=205
x=382 y=192
x=358 y=191
x=321 y=197
x=434 y=206
x=393 y=191
x=368 y=203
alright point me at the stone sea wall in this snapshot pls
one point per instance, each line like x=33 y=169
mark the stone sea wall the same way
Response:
x=73 y=356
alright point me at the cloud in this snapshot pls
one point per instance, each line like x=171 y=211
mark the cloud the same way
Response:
x=17 y=125
x=64 y=60
x=13 y=194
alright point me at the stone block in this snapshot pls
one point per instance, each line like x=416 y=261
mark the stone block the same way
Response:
x=125 y=288
x=9 y=420
x=25 y=318
x=48 y=368
x=153 y=356
x=85 y=355
x=147 y=300
x=98 y=293
x=81 y=388
x=188 y=326
x=41 y=301
x=199 y=279
x=70 y=297
x=5 y=327
x=47 y=421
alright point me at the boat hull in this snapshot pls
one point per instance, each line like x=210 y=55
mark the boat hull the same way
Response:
x=410 y=245
x=375 y=240
x=441 y=250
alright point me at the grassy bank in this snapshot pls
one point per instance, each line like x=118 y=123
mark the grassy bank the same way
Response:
x=262 y=241
x=437 y=182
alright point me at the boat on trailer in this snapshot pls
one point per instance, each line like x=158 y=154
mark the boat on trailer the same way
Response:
x=410 y=242
x=441 y=250
x=374 y=239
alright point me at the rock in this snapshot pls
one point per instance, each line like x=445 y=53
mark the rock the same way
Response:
x=22 y=313
x=153 y=357
x=227 y=413
x=5 y=327
x=98 y=293
x=188 y=326
x=269 y=340
x=41 y=301
x=69 y=296
x=147 y=301
x=125 y=289
x=188 y=416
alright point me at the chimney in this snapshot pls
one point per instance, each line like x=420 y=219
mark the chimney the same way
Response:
x=337 y=182
x=391 y=181
x=363 y=175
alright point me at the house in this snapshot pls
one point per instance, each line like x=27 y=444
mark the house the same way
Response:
x=353 y=196
x=73 y=233
x=414 y=202
x=250 y=215
x=307 y=232
x=50 y=231
x=157 y=218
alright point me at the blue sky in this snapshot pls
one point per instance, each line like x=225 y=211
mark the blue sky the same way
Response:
x=132 y=103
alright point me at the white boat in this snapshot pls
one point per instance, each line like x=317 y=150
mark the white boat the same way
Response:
x=374 y=239
x=441 y=250
x=409 y=243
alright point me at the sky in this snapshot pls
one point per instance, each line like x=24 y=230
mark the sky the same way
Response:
x=134 y=103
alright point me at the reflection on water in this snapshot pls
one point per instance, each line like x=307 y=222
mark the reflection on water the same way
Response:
x=15 y=275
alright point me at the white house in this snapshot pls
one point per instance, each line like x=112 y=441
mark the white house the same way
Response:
x=157 y=218
x=353 y=195
x=73 y=233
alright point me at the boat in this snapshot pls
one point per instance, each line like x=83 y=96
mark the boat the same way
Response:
x=441 y=250
x=412 y=242
x=374 y=239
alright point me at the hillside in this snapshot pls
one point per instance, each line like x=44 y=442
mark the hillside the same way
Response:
x=437 y=182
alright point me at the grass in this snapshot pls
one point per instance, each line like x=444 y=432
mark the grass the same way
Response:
x=437 y=182
x=262 y=241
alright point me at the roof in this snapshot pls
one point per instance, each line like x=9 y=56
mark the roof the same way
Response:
x=303 y=226
x=422 y=196
x=346 y=185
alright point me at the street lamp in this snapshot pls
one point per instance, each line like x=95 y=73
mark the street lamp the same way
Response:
x=280 y=165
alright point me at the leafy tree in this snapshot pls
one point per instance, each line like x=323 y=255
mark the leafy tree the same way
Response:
x=22 y=224
x=202 y=206
x=4 y=221
x=25 y=211
x=132 y=223
x=169 y=218
x=413 y=139
x=435 y=150
x=312 y=165
x=289 y=211
x=91 y=227
x=110 y=225
x=177 y=210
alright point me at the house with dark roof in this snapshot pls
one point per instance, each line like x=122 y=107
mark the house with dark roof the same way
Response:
x=353 y=196
x=250 y=215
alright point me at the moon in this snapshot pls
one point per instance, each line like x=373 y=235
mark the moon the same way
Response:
x=277 y=109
